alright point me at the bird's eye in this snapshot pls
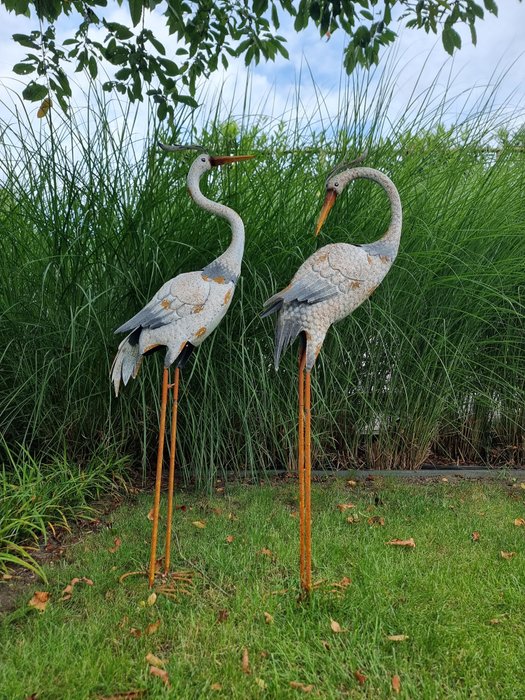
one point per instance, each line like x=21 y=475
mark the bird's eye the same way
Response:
x=203 y=160
x=336 y=184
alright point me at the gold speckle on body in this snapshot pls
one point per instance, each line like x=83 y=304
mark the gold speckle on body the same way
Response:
x=322 y=258
x=384 y=258
x=151 y=347
x=165 y=303
x=205 y=277
x=182 y=346
x=369 y=258
x=355 y=284
x=201 y=331
x=219 y=280
x=197 y=309
x=227 y=297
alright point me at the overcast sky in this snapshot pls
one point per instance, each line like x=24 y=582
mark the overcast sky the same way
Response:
x=500 y=53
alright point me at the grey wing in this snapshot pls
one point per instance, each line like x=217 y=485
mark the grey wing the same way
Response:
x=176 y=299
x=310 y=288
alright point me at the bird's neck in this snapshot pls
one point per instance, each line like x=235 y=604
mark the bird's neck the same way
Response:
x=392 y=236
x=231 y=259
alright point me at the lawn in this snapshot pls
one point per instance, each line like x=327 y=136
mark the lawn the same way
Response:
x=453 y=604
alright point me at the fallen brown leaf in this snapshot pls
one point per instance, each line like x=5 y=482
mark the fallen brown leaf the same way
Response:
x=475 y=536
x=154 y=660
x=152 y=599
x=351 y=482
x=39 y=600
x=68 y=590
x=403 y=543
x=495 y=621
x=160 y=673
x=215 y=686
x=360 y=677
x=325 y=644
x=376 y=520
x=519 y=522
x=229 y=539
x=7 y=577
x=222 y=615
x=183 y=508
x=267 y=552
x=232 y=516
x=135 y=632
x=152 y=627
x=335 y=626
x=301 y=686
x=396 y=684
x=268 y=618
x=352 y=519
x=398 y=637
x=507 y=555
x=150 y=515
x=260 y=683
x=199 y=523
x=117 y=542
x=245 y=661
x=345 y=506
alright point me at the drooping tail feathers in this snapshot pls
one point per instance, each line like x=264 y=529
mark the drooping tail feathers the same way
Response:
x=127 y=360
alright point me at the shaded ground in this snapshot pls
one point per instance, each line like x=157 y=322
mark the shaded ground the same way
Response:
x=455 y=601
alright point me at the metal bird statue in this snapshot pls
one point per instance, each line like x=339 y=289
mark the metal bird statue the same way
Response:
x=181 y=315
x=328 y=286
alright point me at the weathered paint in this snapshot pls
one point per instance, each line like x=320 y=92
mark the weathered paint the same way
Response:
x=201 y=331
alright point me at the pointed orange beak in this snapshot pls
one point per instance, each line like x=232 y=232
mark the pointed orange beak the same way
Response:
x=329 y=201
x=224 y=160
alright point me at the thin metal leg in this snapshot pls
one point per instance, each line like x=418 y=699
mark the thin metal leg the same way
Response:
x=171 y=479
x=300 y=468
x=307 y=485
x=158 y=478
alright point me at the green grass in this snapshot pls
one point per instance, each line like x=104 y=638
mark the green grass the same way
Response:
x=443 y=594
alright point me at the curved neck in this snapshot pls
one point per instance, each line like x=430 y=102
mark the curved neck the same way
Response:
x=232 y=256
x=393 y=234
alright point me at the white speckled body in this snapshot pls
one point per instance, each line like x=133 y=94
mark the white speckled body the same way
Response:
x=187 y=308
x=336 y=279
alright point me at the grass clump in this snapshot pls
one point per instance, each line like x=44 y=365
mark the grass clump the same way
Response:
x=456 y=600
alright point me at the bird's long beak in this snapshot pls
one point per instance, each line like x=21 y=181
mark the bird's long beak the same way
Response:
x=224 y=160
x=329 y=201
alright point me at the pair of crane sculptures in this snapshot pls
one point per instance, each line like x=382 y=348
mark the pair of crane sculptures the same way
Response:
x=328 y=286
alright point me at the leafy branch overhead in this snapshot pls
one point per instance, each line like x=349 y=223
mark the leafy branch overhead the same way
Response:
x=208 y=34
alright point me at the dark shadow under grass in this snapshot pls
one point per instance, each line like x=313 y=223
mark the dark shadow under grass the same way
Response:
x=457 y=600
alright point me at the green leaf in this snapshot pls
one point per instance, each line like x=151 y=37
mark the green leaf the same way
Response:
x=34 y=92
x=491 y=6
x=450 y=39
x=24 y=68
x=135 y=9
x=25 y=40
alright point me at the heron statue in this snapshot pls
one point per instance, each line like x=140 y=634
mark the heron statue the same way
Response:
x=181 y=315
x=327 y=287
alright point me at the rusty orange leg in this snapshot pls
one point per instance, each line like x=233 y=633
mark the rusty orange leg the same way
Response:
x=171 y=479
x=307 y=485
x=158 y=477
x=300 y=467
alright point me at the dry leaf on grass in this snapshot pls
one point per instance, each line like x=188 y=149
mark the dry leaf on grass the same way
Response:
x=135 y=632
x=160 y=673
x=519 y=522
x=229 y=539
x=475 y=536
x=398 y=637
x=403 y=543
x=116 y=544
x=351 y=482
x=507 y=555
x=345 y=506
x=222 y=615
x=360 y=677
x=150 y=515
x=495 y=621
x=152 y=627
x=268 y=618
x=68 y=590
x=260 y=683
x=335 y=626
x=215 y=686
x=199 y=523
x=39 y=601
x=376 y=520
x=7 y=577
x=325 y=644
x=352 y=519
x=245 y=661
x=396 y=684
x=152 y=599
x=301 y=686
x=232 y=516
x=154 y=660
x=267 y=552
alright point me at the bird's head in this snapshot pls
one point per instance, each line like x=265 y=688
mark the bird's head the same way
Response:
x=335 y=184
x=204 y=161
